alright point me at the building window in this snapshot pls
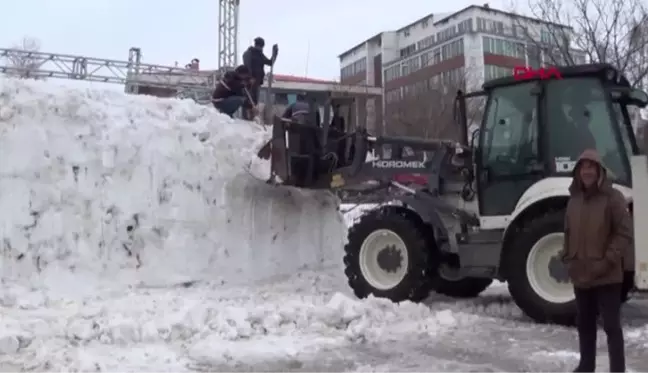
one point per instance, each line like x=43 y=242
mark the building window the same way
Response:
x=488 y=25
x=503 y=47
x=546 y=37
x=579 y=58
x=426 y=42
x=452 y=50
x=354 y=68
x=446 y=34
x=415 y=64
x=481 y=24
x=408 y=50
x=393 y=95
x=392 y=73
x=405 y=67
x=520 y=31
x=465 y=26
x=495 y=72
x=426 y=59
x=454 y=78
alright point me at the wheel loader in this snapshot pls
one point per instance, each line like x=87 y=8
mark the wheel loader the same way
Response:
x=494 y=201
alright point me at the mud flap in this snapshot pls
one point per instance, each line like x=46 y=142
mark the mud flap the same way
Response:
x=279 y=151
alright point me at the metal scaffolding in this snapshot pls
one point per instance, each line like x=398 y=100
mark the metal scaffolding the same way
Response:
x=132 y=73
x=228 y=14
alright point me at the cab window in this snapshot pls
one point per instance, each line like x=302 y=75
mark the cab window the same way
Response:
x=510 y=135
x=625 y=136
x=577 y=119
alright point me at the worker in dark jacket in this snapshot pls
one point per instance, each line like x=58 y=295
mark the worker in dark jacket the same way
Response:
x=300 y=111
x=598 y=231
x=230 y=93
x=255 y=61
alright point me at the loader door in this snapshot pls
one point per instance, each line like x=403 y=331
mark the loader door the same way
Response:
x=508 y=160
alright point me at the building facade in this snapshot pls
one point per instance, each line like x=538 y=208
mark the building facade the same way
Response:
x=438 y=53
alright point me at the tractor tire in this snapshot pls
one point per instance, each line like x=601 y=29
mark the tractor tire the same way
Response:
x=387 y=256
x=465 y=287
x=528 y=275
x=525 y=295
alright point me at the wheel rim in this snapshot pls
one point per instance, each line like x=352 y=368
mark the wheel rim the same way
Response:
x=374 y=249
x=544 y=283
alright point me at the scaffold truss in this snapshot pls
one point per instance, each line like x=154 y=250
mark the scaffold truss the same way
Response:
x=132 y=73
x=228 y=17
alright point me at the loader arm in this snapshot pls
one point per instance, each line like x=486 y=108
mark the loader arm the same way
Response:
x=446 y=153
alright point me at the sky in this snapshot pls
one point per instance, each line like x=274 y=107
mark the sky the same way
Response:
x=310 y=34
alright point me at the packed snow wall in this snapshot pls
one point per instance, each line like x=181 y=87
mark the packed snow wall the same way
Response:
x=138 y=189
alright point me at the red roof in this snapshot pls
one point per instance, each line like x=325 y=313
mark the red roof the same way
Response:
x=278 y=77
x=299 y=79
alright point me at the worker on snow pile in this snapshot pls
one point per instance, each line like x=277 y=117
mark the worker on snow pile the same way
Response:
x=598 y=231
x=255 y=61
x=230 y=92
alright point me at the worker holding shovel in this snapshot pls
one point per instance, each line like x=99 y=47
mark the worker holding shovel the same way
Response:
x=255 y=61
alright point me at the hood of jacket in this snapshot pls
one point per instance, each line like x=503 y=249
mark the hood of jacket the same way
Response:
x=604 y=183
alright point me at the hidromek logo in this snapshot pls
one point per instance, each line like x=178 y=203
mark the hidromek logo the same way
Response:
x=526 y=73
x=398 y=164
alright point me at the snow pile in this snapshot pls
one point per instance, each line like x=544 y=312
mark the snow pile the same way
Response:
x=211 y=327
x=140 y=189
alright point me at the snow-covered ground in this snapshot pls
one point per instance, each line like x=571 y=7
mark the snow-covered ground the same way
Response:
x=133 y=241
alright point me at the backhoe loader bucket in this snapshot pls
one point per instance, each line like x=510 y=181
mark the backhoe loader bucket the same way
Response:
x=299 y=157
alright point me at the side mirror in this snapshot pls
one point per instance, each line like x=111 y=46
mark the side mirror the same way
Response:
x=638 y=97
x=630 y=96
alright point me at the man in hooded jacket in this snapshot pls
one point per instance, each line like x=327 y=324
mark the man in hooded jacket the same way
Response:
x=598 y=231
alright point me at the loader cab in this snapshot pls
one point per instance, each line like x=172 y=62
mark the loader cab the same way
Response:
x=536 y=129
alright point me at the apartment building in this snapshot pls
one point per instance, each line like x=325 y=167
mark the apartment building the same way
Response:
x=442 y=52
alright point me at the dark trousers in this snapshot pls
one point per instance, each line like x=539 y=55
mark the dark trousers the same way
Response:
x=229 y=105
x=605 y=301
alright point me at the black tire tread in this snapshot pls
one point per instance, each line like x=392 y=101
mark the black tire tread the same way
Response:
x=515 y=261
x=415 y=286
